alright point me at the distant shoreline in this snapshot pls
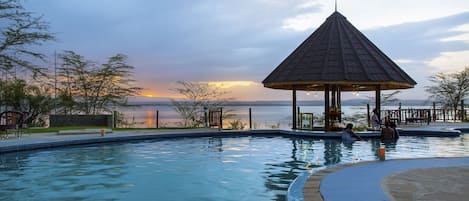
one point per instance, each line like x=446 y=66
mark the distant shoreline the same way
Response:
x=352 y=102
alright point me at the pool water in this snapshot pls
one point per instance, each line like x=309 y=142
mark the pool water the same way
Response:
x=208 y=168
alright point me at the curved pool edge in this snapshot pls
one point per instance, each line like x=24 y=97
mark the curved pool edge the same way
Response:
x=295 y=190
x=311 y=187
x=83 y=139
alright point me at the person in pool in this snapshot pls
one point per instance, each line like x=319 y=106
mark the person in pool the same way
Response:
x=349 y=135
x=394 y=127
x=387 y=133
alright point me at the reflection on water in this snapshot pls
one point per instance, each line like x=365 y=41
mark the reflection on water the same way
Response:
x=213 y=168
x=332 y=152
x=150 y=119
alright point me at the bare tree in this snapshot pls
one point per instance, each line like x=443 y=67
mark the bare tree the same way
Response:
x=386 y=98
x=20 y=30
x=449 y=89
x=198 y=96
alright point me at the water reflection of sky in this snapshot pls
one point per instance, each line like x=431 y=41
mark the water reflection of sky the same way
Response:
x=216 y=168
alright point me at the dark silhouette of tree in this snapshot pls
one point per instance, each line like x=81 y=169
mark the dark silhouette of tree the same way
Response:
x=89 y=88
x=20 y=31
x=32 y=98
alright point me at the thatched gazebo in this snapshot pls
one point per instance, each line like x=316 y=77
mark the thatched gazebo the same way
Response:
x=337 y=57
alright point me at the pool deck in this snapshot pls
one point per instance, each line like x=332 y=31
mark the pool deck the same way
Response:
x=378 y=180
x=406 y=179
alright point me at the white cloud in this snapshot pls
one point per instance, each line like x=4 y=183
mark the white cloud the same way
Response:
x=463 y=36
x=365 y=14
x=308 y=4
x=301 y=22
x=450 y=61
x=405 y=61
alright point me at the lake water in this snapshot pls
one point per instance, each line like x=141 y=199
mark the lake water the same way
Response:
x=262 y=116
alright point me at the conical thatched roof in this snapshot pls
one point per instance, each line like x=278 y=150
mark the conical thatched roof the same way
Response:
x=338 y=53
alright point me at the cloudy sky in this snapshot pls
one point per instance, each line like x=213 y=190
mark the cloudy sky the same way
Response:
x=236 y=44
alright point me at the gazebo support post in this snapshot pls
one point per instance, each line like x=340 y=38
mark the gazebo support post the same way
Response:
x=378 y=101
x=339 y=104
x=294 y=109
x=326 y=107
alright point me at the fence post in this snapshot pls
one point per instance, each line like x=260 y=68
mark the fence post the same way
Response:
x=399 y=120
x=428 y=117
x=157 y=118
x=434 y=111
x=444 y=115
x=206 y=117
x=250 y=118
x=298 y=117
x=220 y=127
x=462 y=111
x=368 y=114
x=114 y=115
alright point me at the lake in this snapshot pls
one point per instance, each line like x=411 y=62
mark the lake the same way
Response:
x=263 y=116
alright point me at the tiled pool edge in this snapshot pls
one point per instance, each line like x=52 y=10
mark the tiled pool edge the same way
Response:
x=311 y=187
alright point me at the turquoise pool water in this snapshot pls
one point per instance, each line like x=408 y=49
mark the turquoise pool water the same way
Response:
x=208 y=168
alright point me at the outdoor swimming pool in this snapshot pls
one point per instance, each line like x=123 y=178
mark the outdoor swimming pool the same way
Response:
x=206 y=168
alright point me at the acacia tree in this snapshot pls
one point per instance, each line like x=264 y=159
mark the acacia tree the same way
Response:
x=449 y=89
x=72 y=75
x=198 y=96
x=20 y=30
x=88 y=88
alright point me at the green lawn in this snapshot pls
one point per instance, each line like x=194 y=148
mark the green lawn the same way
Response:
x=56 y=129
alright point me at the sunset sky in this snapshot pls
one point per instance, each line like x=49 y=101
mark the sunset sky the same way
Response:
x=236 y=44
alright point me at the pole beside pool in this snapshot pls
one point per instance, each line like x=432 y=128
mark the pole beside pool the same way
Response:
x=368 y=114
x=250 y=118
x=157 y=118
x=114 y=123
x=382 y=153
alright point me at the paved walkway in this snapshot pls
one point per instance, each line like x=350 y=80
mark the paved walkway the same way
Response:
x=46 y=140
x=449 y=183
x=414 y=179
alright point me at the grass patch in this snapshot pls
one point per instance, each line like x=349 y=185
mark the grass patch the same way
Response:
x=56 y=129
